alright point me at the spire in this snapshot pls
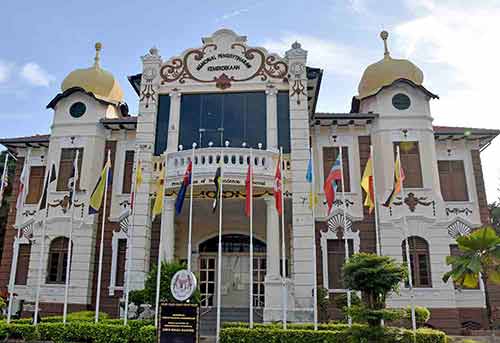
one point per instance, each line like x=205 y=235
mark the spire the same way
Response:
x=98 y=47
x=384 y=35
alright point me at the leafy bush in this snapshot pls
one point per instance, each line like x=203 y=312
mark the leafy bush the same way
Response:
x=81 y=316
x=362 y=314
x=25 y=332
x=356 y=334
x=422 y=314
x=147 y=334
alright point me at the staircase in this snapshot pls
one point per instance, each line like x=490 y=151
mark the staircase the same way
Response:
x=208 y=319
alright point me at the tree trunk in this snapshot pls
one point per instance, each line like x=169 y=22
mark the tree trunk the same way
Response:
x=491 y=325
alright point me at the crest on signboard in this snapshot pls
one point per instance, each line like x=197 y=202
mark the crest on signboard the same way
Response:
x=183 y=285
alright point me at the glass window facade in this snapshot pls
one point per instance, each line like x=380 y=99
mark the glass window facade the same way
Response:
x=235 y=117
x=162 y=124
x=283 y=121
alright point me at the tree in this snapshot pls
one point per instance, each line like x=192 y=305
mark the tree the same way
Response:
x=375 y=276
x=479 y=256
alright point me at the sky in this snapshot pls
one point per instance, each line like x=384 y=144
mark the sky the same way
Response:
x=455 y=43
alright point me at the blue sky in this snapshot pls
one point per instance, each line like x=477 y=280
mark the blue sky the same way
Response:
x=451 y=41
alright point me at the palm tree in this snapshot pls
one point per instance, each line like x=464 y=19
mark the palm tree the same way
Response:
x=479 y=257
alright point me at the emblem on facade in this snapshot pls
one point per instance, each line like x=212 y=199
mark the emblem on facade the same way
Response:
x=183 y=285
x=148 y=93
x=223 y=59
x=458 y=229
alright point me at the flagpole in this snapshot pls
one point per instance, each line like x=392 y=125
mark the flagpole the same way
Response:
x=375 y=204
x=251 y=235
x=283 y=250
x=407 y=250
x=4 y=176
x=42 y=251
x=190 y=233
x=160 y=252
x=14 y=256
x=68 y=263
x=130 y=238
x=346 y=243
x=313 y=210
x=219 y=248
x=101 y=246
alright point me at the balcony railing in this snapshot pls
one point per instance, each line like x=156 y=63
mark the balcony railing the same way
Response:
x=235 y=165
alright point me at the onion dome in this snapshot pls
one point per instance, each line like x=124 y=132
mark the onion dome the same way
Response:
x=95 y=80
x=384 y=72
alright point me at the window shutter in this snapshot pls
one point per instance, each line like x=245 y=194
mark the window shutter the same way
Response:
x=65 y=167
x=453 y=180
x=419 y=260
x=127 y=172
x=336 y=258
x=23 y=263
x=120 y=265
x=329 y=157
x=35 y=188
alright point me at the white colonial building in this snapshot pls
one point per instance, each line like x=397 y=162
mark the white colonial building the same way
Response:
x=227 y=90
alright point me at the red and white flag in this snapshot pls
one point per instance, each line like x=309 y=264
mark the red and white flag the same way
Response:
x=278 y=184
x=23 y=186
x=248 y=189
x=5 y=179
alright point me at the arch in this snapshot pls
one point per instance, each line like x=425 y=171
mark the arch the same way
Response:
x=235 y=243
x=420 y=261
x=58 y=257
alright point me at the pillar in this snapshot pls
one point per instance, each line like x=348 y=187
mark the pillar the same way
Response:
x=173 y=124
x=168 y=229
x=272 y=117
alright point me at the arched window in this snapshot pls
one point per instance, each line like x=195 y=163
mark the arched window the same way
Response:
x=420 y=261
x=58 y=257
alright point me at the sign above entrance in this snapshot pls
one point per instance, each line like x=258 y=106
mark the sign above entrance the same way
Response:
x=223 y=59
x=183 y=285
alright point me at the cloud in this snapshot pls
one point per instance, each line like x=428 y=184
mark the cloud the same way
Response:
x=454 y=43
x=5 y=70
x=36 y=75
x=333 y=57
x=358 y=6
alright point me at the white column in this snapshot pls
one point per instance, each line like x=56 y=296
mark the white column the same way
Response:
x=168 y=229
x=272 y=241
x=272 y=117
x=173 y=122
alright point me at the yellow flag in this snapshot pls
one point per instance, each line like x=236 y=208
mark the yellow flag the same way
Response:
x=138 y=175
x=367 y=185
x=313 y=200
x=160 y=192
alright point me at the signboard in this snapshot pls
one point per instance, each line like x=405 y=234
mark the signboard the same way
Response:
x=179 y=323
x=183 y=285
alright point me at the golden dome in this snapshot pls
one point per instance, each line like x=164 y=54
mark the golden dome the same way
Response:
x=95 y=80
x=386 y=71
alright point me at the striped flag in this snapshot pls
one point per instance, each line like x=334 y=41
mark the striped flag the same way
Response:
x=95 y=202
x=278 y=184
x=186 y=182
x=330 y=186
x=367 y=185
x=399 y=177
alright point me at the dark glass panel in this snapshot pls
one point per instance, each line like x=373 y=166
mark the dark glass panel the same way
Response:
x=162 y=120
x=283 y=121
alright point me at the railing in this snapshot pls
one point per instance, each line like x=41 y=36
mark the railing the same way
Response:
x=206 y=161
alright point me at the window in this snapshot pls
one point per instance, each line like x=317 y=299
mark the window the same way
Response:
x=35 y=188
x=336 y=259
x=58 y=257
x=162 y=121
x=410 y=161
x=23 y=264
x=283 y=104
x=120 y=265
x=419 y=259
x=77 y=109
x=453 y=181
x=329 y=158
x=455 y=251
x=66 y=167
x=236 y=117
x=128 y=169
x=401 y=101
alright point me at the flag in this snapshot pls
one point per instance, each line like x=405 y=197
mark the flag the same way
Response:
x=186 y=181
x=248 y=189
x=313 y=197
x=278 y=184
x=399 y=177
x=330 y=186
x=23 y=186
x=5 y=179
x=217 y=182
x=138 y=181
x=73 y=179
x=160 y=193
x=45 y=191
x=96 y=197
x=367 y=185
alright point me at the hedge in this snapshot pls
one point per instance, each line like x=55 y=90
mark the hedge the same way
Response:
x=357 y=334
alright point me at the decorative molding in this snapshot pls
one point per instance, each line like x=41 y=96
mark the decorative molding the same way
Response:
x=336 y=223
x=456 y=211
x=28 y=213
x=148 y=93
x=125 y=204
x=412 y=201
x=339 y=203
x=458 y=229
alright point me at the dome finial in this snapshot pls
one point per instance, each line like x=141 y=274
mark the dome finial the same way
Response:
x=98 y=47
x=384 y=35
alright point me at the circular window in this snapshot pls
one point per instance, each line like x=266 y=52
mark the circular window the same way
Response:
x=77 y=109
x=401 y=101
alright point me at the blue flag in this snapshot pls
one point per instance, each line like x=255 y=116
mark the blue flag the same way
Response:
x=182 y=191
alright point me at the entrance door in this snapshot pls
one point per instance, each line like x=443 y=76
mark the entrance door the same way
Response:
x=207 y=280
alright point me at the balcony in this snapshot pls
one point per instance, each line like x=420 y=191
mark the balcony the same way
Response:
x=235 y=166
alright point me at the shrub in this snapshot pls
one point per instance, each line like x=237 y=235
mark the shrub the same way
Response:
x=25 y=332
x=147 y=334
x=422 y=314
